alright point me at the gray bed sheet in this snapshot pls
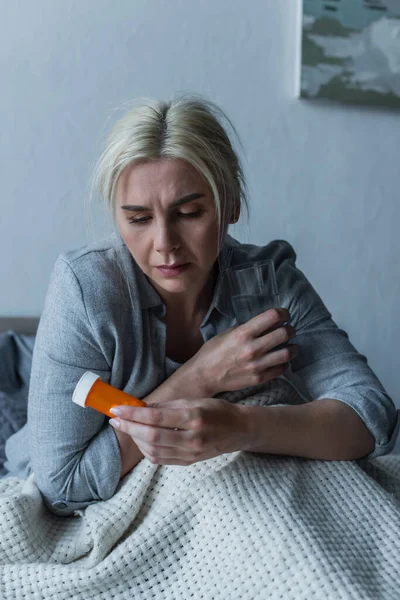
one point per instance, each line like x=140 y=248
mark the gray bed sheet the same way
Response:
x=16 y=351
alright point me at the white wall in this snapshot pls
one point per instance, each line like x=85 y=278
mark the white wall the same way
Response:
x=326 y=178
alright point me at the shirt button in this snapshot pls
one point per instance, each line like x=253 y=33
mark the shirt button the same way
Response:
x=59 y=505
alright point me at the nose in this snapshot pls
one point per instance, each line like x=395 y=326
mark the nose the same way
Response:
x=166 y=239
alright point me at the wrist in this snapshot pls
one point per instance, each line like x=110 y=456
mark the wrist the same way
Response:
x=255 y=421
x=186 y=382
x=199 y=377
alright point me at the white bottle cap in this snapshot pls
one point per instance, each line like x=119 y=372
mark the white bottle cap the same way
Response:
x=83 y=387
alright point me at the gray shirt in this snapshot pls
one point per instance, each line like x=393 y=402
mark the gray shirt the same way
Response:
x=101 y=314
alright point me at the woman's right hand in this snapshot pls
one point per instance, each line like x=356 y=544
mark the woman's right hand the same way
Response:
x=241 y=356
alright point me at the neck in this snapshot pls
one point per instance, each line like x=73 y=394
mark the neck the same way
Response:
x=188 y=310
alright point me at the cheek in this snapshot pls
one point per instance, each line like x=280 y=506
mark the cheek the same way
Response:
x=207 y=242
x=135 y=242
x=212 y=234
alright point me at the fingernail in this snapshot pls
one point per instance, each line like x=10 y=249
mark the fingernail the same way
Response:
x=116 y=411
x=115 y=422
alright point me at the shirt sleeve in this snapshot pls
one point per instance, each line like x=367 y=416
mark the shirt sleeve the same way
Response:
x=75 y=454
x=327 y=363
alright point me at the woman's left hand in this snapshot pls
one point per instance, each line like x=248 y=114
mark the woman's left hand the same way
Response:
x=206 y=427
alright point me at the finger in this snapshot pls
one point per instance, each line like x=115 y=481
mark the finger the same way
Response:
x=279 y=356
x=273 y=365
x=160 y=452
x=270 y=373
x=153 y=436
x=167 y=456
x=169 y=461
x=275 y=372
x=158 y=416
x=175 y=403
x=264 y=321
x=279 y=337
x=267 y=342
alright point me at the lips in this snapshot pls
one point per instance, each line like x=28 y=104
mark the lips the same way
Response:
x=174 y=266
x=173 y=270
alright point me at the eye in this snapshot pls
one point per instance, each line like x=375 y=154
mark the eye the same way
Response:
x=138 y=221
x=191 y=215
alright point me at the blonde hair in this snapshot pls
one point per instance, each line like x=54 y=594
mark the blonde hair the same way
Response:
x=189 y=128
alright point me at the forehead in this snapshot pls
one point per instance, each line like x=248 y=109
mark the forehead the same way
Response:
x=164 y=176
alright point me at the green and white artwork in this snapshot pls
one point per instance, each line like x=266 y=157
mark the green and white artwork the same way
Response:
x=351 y=51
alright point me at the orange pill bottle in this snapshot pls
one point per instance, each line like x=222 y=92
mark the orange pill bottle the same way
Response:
x=93 y=392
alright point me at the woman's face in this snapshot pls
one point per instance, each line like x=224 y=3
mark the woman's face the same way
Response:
x=166 y=216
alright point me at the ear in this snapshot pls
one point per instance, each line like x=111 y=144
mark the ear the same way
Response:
x=235 y=214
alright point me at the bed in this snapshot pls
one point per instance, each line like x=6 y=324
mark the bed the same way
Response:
x=241 y=525
x=17 y=336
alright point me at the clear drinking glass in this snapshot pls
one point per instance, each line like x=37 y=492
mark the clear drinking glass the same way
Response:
x=253 y=289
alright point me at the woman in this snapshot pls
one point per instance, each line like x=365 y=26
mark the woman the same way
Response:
x=148 y=309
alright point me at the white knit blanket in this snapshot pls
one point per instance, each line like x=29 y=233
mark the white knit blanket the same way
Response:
x=242 y=526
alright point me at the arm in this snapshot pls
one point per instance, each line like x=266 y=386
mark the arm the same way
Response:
x=76 y=456
x=331 y=368
x=184 y=383
x=325 y=429
x=349 y=414
x=73 y=453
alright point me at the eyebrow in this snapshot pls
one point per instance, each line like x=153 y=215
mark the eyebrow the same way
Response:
x=179 y=202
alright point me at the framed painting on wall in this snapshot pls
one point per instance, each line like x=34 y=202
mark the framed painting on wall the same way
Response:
x=350 y=51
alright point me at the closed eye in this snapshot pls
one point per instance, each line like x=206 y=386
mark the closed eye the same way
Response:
x=191 y=215
x=141 y=220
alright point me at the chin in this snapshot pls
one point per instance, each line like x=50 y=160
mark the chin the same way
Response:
x=174 y=287
x=171 y=285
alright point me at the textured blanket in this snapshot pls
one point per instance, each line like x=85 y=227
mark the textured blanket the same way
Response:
x=242 y=526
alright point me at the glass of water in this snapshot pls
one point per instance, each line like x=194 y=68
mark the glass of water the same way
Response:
x=253 y=289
